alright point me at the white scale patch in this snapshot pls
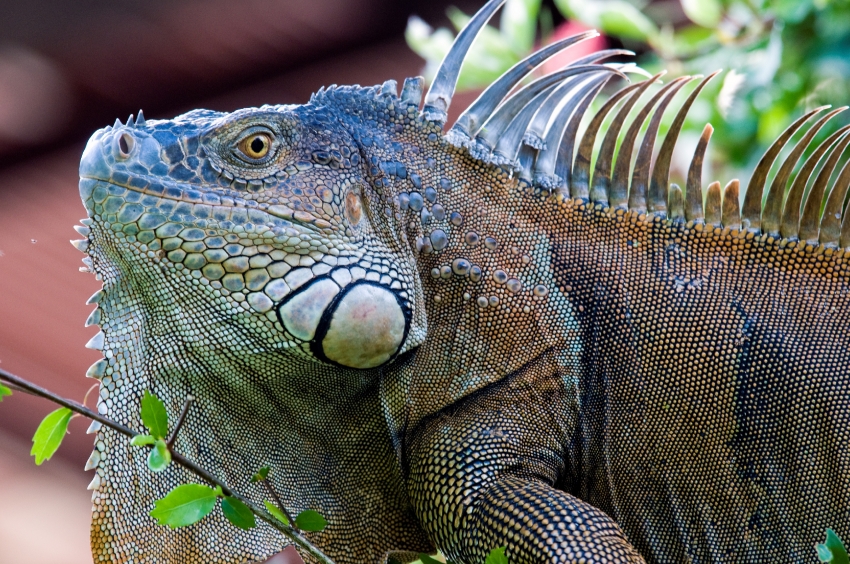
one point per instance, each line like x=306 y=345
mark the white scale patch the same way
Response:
x=366 y=328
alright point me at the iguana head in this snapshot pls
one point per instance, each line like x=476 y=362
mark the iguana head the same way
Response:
x=266 y=212
x=252 y=260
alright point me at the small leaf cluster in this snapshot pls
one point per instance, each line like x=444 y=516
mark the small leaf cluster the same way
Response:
x=155 y=418
x=189 y=503
x=307 y=520
x=185 y=504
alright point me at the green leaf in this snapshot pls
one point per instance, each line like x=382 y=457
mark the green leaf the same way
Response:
x=621 y=19
x=159 y=457
x=276 y=513
x=518 y=24
x=184 y=505
x=425 y=559
x=614 y=17
x=832 y=550
x=309 y=520
x=497 y=556
x=142 y=440
x=261 y=475
x=154 y=415
x=4 y=391
x=706 y=13
x=238 y=513
x=49 y=434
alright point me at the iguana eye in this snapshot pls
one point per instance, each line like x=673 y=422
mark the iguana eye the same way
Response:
x=256 y=146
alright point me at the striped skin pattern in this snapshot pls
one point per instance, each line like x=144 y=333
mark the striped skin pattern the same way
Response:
x=470 y=339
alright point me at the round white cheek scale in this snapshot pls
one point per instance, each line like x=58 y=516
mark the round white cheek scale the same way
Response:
x=366 y=328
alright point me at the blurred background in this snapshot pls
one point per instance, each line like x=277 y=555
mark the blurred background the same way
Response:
x=68 y=68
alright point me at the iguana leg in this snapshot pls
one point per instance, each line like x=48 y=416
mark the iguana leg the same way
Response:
x=482 y=477
x=542 y=524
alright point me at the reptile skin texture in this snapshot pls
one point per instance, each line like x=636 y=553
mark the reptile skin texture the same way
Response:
x=464 y=340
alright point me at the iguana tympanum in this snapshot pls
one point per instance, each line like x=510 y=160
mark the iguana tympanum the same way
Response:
x=468 y=340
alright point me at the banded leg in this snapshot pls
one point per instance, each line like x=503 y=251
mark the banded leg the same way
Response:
x=482 y=477
x=542 y=524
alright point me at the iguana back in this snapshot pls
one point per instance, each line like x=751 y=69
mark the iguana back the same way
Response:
x=710 y=411
x=713 y=422
x=470 y=340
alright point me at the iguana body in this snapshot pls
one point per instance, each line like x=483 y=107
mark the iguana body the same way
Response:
x=432 y=350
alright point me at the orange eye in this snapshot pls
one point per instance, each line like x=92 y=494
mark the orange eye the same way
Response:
x=256 y=146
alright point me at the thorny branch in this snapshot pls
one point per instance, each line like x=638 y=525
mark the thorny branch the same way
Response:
x=287 y=531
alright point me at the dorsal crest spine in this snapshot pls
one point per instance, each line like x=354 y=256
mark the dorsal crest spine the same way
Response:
x=509 y=131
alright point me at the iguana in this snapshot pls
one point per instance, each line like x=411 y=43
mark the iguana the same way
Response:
x=467 y=340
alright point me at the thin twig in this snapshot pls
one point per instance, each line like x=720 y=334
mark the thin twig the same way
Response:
x=86 y=397
x=286 y=530
x=185 y=411
x=72 y=405
x=15 y=388
x=279 y=503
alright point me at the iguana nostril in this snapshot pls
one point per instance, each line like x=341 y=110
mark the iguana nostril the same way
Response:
x=125 y=144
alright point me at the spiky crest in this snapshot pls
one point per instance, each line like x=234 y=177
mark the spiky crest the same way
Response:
x=533 y=131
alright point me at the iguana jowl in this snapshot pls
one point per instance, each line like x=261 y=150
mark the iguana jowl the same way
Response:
x=468 y=341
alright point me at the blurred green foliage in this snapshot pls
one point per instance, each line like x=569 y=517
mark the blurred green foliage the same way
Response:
x=494 y=51
x=781 y=58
